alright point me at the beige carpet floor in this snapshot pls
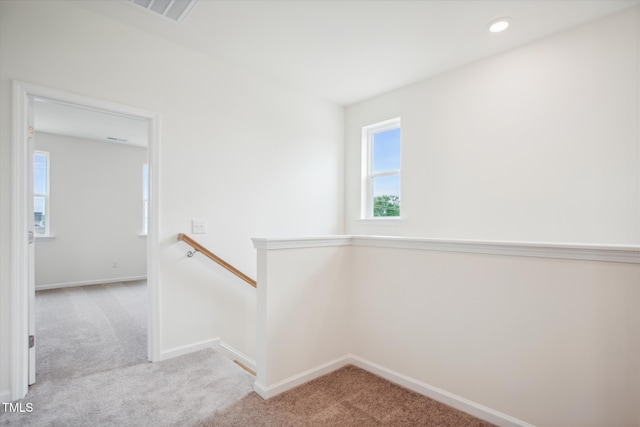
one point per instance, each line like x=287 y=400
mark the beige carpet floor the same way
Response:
x=92 y=371
x=347 y=397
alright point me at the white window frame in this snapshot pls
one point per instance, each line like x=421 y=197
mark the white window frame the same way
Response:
x=368 y=176
x=47 y=195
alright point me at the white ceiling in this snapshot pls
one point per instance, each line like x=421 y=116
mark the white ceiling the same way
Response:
x=67 y=119
x=346 y=51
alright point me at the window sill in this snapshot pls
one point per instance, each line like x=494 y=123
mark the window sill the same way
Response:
x=381 y=221
x=48 y=238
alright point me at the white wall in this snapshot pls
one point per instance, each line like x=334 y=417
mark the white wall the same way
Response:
x=96 y=212
x=303 y=312
x=249 y=156
x=536 y=144
x=552 y=342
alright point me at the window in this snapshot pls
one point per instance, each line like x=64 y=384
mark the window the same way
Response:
x=381 y=170
x=41 y=217
x=145 y=198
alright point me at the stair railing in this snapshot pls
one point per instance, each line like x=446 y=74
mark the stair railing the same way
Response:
x=197 y=247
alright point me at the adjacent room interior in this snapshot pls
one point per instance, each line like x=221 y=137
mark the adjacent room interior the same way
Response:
x=90 y=205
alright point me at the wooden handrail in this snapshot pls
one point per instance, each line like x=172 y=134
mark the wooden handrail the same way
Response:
x=198 y=247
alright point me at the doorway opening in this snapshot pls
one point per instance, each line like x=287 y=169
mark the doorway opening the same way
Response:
x=28 y=222
x=90 y=227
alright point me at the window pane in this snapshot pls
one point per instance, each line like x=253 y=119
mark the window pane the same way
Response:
x=386 y=196
x=386 y=151
x=39 y=174
x=40 y=214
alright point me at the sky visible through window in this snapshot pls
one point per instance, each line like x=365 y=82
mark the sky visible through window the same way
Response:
x=40 y=190
x=386 y=186
x=386 y=157
x=39 y=181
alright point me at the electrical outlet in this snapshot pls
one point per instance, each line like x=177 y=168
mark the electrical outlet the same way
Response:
x=199 y=226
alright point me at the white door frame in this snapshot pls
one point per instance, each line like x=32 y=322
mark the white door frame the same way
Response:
x=20 y=309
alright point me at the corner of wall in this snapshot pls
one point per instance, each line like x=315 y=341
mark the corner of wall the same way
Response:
x=190 y=348
x=234 y=355
x=267 y=392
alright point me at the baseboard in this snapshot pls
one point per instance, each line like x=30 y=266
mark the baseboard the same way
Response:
x=189 y=348
x=89 y=282
x=5 y=396
x=234 y=354
x=435 y=393
x=301 y=378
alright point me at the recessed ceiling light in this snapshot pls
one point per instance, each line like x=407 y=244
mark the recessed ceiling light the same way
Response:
x=498 y=25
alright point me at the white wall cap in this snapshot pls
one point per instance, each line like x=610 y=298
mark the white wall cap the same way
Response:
x=590 y=252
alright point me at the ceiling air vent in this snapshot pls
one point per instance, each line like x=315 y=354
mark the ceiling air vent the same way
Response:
x=175 y=10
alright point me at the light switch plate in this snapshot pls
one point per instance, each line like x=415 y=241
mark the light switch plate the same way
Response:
x=199 y=226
